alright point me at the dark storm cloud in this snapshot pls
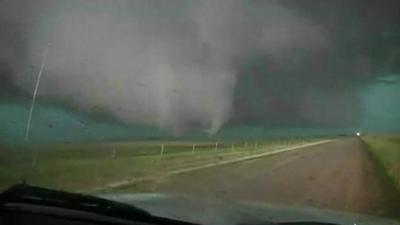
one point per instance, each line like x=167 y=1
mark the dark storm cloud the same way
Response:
x=321 y=88
x=203 y=63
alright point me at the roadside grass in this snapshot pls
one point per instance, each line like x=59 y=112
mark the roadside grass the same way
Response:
x=386 y=150
x=85 y=166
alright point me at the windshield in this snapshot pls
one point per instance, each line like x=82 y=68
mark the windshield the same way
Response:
x=289 y=103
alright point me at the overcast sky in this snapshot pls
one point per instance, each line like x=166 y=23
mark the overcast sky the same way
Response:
x=205 y=64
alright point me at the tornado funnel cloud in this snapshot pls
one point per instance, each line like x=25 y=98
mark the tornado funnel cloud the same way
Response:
x=148 y=62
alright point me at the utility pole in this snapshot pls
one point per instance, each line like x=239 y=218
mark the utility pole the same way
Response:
x=37 y=83
x=28 y=125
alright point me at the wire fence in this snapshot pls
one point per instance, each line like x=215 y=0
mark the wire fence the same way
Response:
x=128 y=149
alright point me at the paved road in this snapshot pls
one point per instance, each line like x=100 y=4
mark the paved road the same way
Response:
x=338 y=175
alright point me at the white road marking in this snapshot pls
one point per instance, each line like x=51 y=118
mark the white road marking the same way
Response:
x=185 y=170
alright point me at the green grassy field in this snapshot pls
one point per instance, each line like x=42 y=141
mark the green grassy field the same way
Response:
x=386 y=150
x=86 y=166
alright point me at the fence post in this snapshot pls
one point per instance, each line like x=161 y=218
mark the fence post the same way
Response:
x=216 y=146
x=162 y=150
x=114 y=153
x=256 y=145
x=233 y=147
x=193 y=149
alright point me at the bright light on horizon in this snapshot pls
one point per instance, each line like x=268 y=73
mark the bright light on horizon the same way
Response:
x=358 y=134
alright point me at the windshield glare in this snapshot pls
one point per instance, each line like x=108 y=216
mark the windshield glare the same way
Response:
x=283 y=103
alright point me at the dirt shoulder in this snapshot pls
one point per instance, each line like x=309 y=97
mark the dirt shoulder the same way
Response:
x=338 y=175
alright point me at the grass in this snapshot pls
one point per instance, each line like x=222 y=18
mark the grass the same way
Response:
x=84 y=166
x=386 y=150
